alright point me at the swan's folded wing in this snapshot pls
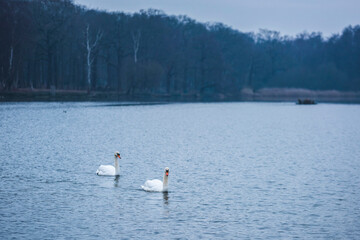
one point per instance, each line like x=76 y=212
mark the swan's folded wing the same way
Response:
x=153 y=185
x=106 y=170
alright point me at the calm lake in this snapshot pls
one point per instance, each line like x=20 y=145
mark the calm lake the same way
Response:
x=237 y=171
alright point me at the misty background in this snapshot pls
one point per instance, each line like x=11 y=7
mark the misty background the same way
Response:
x=289 y=17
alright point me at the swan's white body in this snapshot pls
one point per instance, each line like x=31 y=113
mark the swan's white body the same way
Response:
x=156 y=185
x=109 y=170
x=106 y=170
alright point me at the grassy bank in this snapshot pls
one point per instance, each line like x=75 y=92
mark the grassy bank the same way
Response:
x=267 y=94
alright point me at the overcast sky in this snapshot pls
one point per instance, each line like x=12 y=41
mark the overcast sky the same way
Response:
x=289 y=17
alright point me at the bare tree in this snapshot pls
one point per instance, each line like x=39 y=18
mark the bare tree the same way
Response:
x=50 y=19
x=10 y=70
x=136 y=42
x=11 y=57
x=89 y=50
x=13 y=44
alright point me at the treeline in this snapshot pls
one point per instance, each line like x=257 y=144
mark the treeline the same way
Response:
x=51 y=44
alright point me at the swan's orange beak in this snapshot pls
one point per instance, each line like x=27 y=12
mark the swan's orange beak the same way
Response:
x=167 y=173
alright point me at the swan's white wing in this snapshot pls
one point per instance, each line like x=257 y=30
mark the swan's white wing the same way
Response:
x=153 y=186
x=106 y=170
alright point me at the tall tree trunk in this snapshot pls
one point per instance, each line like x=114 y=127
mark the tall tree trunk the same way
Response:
x=119 y=85
x=136 y=42
x=49 y=73
x=89 y=58
x=184 y=82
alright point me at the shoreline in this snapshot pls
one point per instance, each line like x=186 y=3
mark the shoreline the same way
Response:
x=261 y=95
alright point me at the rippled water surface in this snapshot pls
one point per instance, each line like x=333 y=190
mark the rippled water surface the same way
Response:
x=237 y=171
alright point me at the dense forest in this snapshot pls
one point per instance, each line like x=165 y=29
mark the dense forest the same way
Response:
x=51 y=44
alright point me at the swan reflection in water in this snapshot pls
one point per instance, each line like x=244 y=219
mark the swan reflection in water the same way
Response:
x=166 y=207
x=116 y=181
x=166 y=197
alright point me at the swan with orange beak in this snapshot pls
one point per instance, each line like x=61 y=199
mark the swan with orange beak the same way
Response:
x=157 y=185
x=109 y=170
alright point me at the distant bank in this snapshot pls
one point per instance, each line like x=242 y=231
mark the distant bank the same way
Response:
x=266 y=95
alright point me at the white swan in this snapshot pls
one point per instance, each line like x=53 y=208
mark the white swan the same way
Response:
x=108 y=170
x=157 y=185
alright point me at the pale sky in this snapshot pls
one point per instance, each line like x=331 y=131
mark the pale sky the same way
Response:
x=289 y=17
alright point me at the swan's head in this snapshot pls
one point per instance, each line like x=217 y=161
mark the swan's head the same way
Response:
x=167 y=171
x=117 y=155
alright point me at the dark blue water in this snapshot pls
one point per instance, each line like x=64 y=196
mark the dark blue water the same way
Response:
x=237 y=171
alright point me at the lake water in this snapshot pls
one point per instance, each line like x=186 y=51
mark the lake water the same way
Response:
x=237 y=171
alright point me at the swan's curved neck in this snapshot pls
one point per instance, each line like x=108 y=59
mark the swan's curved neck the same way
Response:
x=165 y=183
x=116 y=165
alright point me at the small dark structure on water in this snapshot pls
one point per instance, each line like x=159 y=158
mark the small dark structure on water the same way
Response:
x=306 y=101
